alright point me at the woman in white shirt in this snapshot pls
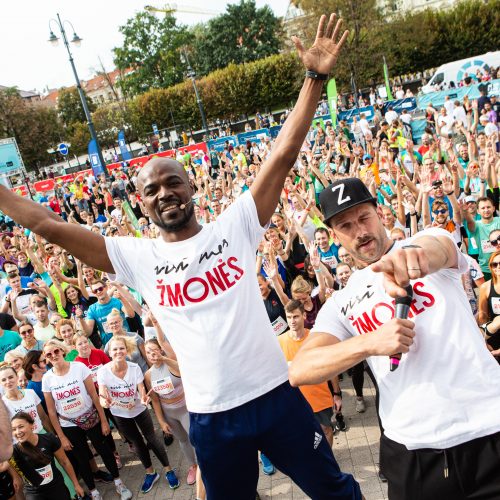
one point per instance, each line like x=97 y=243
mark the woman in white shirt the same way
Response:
x=25 y=400
x=168 y=401
x=75 y=413
x=121 y=389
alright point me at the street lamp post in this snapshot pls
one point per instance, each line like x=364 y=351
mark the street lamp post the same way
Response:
x=54 y=40
x=192 y=74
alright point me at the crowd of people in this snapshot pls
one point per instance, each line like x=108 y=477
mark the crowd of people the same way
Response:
x=83 y=353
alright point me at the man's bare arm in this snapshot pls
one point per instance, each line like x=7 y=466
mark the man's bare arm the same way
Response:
x=86 y=245
x=5 y=434
x=321 y=58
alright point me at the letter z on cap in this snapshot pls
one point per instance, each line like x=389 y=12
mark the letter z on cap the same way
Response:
x=342 y=195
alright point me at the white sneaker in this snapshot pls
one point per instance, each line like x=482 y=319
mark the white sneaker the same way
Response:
x=124 y=492
x=360 y=405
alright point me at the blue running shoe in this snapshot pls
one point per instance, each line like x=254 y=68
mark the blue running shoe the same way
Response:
x=173 y=482
x=149 y=481
x=267 y=467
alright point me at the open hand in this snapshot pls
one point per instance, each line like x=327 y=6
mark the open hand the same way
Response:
x=323 y=54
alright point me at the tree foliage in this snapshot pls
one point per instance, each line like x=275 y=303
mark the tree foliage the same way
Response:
x=228 y=93
x=244 y=33
x=70 y=106
x=151 y=48
x=410 y=41
x=35 y=128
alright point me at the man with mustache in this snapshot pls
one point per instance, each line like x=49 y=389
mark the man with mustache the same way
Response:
x=436 y=442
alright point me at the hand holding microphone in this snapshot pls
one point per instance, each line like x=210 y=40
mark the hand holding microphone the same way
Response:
x=402 y=310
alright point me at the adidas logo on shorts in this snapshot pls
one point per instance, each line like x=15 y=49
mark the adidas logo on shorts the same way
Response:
x=317 y=439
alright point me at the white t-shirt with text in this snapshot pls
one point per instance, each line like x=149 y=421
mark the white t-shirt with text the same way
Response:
x=205 y=295
x=69 y=392
x=444 y=392
x=126 y=401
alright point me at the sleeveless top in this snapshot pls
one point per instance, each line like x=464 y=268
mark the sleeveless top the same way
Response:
x=493 y=303
x=167 y=386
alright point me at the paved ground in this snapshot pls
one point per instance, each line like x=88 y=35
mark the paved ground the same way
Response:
x=356 y=451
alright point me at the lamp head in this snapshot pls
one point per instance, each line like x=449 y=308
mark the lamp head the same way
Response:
x=77 y=41
x=53 y=40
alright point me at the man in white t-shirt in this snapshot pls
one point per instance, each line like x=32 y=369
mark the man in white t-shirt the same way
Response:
x=391 y=115
x=439 y=409
x=200 y=284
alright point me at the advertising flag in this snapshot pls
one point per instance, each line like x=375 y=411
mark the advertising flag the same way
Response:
x=122 y=143
x=331 y=93
x=387 y=84
x=95 y=162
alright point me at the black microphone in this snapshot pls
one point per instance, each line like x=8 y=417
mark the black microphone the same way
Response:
x=402 y=310
x=184 y=205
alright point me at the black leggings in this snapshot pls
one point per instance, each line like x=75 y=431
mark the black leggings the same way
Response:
x=80 y=461
x=358 y=378
x=132 y=428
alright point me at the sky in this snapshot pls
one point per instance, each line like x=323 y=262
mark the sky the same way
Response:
x=29 y=62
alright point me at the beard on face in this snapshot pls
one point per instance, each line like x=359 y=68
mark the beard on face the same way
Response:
x=176 y=226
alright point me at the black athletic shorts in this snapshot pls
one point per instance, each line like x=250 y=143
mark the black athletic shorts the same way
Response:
x=324 y=417
x=468 y=471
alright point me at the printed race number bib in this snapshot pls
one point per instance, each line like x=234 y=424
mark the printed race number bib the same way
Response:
x=72 y=406
x=93 y=373
x=127 y=405
x=495 y=305
x=47 y=474
x=163 y=386
x=279 y=325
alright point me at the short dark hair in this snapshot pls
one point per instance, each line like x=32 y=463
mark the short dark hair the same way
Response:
x=321 y=230
x=293 y=305
x=485 y=198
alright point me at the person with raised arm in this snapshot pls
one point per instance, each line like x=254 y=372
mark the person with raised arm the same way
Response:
x=200 y=284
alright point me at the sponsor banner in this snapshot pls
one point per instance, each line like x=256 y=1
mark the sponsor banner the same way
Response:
x=275 y=130
x=219 y=144
x=437 y=99
x=408 y=103
x=253 y=136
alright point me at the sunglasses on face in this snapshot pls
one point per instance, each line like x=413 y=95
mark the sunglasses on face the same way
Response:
x=50 y=355
x=98 y=290
x=494 y=265
x=24 y=332
x=49 y=248
x=495 y=242
x=442 y=211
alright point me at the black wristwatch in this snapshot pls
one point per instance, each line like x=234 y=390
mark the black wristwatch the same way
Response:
x=315 y=76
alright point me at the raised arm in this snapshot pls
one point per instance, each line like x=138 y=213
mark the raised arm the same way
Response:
x=320 y=58
x=82 y=243
x=5 y=433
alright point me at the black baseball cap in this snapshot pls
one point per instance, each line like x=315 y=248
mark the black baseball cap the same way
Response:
x=342 y=195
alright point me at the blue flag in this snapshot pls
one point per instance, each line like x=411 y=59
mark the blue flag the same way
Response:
x=123 y=146
x=95 y=162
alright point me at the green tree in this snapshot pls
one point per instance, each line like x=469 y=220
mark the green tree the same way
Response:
x=79 y=138
x=243 y=33
x=35 y=128
x=150 y=48
x=70 y=106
